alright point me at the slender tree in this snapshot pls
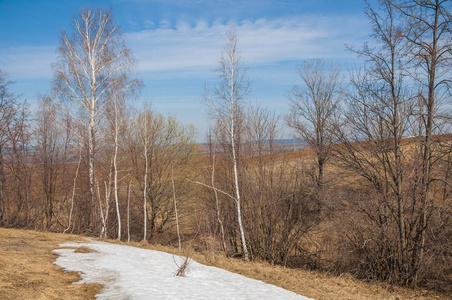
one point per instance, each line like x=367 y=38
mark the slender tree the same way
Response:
x=14 y=149
x=145 y=180
x=49 y=155
x=226 y=104
x=117 y=118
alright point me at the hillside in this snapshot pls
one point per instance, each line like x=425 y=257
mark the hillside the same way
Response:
x=28 y=272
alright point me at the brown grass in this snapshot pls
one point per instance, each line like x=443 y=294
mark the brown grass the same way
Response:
x=84 y=249
x=27 y=270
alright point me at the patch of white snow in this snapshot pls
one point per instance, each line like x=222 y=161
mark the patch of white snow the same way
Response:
x=133 y=273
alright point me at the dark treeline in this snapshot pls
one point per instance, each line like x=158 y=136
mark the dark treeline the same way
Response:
x=371 y=196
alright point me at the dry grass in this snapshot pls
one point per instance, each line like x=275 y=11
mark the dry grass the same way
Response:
x=27 y=270
x=307 y=283
x=84 y=249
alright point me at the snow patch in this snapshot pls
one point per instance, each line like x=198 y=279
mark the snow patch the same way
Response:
x=133 y=273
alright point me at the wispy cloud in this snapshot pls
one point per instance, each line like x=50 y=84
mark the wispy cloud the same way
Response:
x=28 y=62
x=196 y=48
x=184 y=49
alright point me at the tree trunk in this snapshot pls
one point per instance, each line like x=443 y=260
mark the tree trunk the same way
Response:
x=115 y=168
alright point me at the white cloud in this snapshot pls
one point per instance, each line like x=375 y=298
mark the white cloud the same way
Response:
x=148 y=24
x=30 y=62
x=165 y=24
x=183 y=49
x=196 y=48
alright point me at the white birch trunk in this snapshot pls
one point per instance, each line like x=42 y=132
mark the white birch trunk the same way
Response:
x=233 y=113
x=175 y=208
x=128 y=212
x=73 y=190
x=91 y=167
x=145 y=176
x=232 y=88
x=115 y=168
x=216 y=197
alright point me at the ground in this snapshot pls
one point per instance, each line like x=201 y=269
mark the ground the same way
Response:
x=27 y=270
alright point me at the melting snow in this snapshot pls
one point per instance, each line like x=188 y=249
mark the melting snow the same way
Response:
x=133 y=273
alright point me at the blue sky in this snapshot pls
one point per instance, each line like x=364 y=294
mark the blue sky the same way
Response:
x=177 y=44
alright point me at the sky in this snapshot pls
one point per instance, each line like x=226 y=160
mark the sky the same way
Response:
x=177 y=44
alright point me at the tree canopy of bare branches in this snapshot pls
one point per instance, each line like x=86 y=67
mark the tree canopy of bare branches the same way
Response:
x=314 y=111
x=93 y=69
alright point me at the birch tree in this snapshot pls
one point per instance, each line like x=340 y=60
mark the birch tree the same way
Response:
x=92 y=69
x=226 y=104
x=145 y=179
x=118 y=125
x=115 y=162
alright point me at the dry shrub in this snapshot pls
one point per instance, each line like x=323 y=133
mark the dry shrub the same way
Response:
x=182 y=268
x=143 y=243
x=367 y=246
x=84 y=249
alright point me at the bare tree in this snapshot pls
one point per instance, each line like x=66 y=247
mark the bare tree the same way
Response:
x=314 y=107
x=156 y=145
x=49 y=155
x=8 y=107
x=175 y=208
x=226 y=102
x=382 y=108
x=128 y=212
x=20 y=171
x=428 y=34
x=15 y=175
x=74 y=186
x=91 y=71
x=118 y=124
x=117 y=127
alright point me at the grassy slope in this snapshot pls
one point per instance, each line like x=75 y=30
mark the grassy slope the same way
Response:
x=27 y=272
